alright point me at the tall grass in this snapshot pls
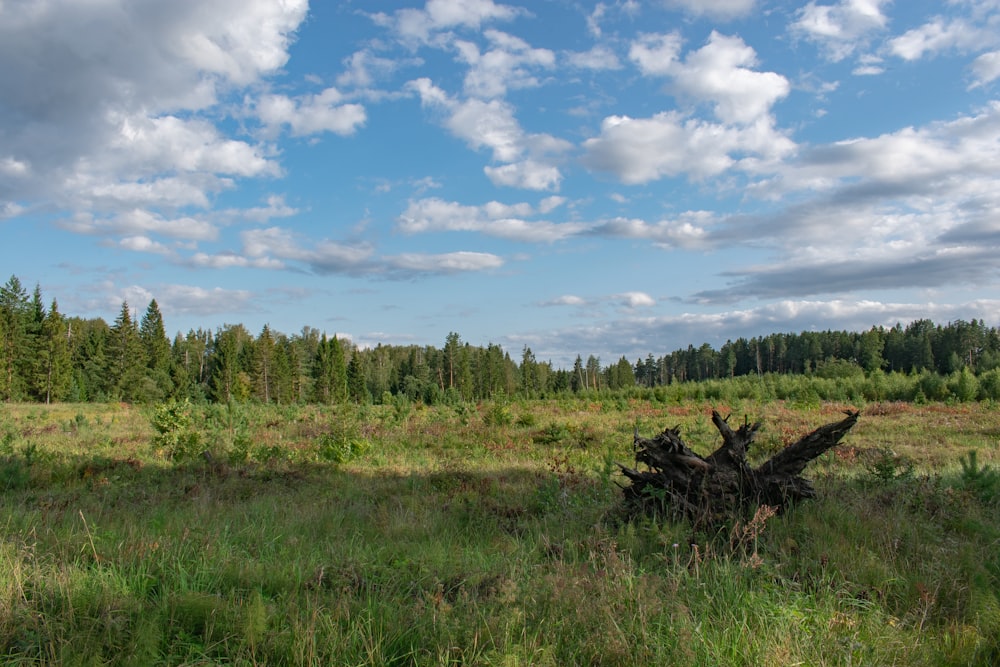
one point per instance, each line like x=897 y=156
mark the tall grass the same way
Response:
x=485 y=534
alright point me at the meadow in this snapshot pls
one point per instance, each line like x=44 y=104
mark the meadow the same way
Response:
x=485 y=534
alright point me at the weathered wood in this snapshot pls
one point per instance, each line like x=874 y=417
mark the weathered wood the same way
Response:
x=723 y=485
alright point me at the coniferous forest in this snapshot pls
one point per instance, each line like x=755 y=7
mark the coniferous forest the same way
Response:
x=48 y=356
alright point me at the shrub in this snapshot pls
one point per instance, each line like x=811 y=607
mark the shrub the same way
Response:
x=981 y=481
x=340 y=449
x=175 y=434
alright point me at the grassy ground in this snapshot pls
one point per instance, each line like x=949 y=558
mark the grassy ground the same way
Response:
x=484 y=535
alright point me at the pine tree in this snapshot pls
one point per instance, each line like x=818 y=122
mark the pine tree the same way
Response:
x=156 y=348
x=126 y=361
x=227 y=374
x=13 y=320
x=88 y=341
x=263 y=365
x=30 y=363
x=357 y=378
x=55 y=356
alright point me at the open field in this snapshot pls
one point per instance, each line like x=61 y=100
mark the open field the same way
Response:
x=484 y=535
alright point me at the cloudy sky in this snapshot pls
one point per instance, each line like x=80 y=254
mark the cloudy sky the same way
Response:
x=613 y=178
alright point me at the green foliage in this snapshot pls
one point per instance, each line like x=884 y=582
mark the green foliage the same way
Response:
x=175 y=434
x=340 y=449
x=886 y=466
x=981 y=481
x=498 y=413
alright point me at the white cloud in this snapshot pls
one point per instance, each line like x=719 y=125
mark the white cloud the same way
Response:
x=492 y=219
x=195 y=300
x=508 y=65
x=656 y=54
x=718 y=9
x=597 y=58
x=939 y=35
x=437 y=15
x=446 y=263
x=635 y=300
x=491 y=124
x=842 y=28
x=527 y=174
x=311 y=114
x=646 y=149
x=322 y=257
x=112 y=106
x=718 y=73
x=986 y=68
x=142 y=222
x=690 y=230
x=229 y=260
x=144 y=244
x=566 y=300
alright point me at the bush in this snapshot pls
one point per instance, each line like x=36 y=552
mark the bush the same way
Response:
x=175 y=434
x=339 y=449
x=981 y=481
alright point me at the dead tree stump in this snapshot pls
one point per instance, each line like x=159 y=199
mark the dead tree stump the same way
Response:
x=723 y=486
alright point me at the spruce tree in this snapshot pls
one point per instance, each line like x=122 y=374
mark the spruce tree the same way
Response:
x=13 y=324
x=30 y=363
x=357 y=378
x=126 y=358
x=263 y=365
x=156 y=349
x=228 y=379
x=54 y=355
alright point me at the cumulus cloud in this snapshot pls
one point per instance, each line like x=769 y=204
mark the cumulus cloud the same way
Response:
x=690 y=230
x=912 y=208
x=141 y=222
x=443 y=263
x=597 y=58
x=491 y=124
x=111 y=108
x=986 y=68
x=717 y=9
x=635 y=300
x=439 y=15
x=565 y=300
x=176 y=299
x=492 y=219
x=640 y=150
x=508 y=64
x=842 y=28
x=940 y=35
x=719 y=73
x=311 y=114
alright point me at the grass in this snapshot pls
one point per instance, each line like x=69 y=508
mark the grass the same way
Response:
x=485 y=535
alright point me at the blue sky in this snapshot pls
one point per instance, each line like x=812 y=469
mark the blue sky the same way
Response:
x=612 y=178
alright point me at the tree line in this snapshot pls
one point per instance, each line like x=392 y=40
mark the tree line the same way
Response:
x=46 y=356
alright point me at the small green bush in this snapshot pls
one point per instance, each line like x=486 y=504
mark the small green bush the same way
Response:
x=175 y=433
x=981 y=481
x=339 y=449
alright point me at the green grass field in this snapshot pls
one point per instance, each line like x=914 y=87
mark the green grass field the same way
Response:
x=484 y=535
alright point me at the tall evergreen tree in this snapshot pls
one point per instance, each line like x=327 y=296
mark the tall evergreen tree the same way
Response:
x=30 y=362
x=55 y=363
x=14 y=313
x=357 y=378
x=263 y=366
x=156 y=348
x=126 y=358
x=228 y=377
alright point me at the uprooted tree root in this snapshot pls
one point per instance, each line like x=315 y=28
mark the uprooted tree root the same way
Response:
x=714 y=489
